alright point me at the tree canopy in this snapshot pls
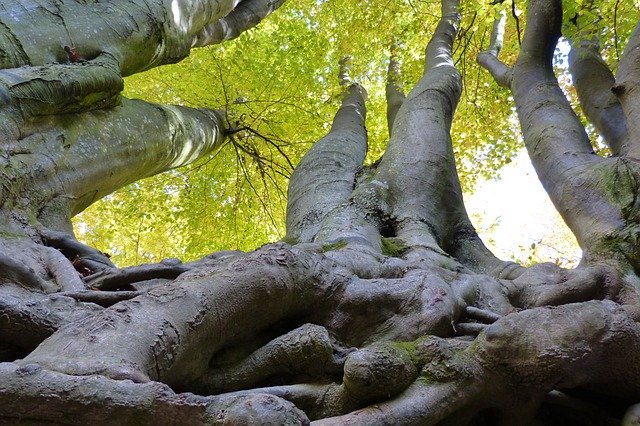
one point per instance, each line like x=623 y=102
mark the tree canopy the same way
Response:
x=279 y=80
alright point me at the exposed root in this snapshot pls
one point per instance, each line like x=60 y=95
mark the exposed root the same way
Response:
x=419 y=405
x=16 y=272
x=27 y=318
x=377 y=372
x=115 y=279
x=65 y=274
x=102 y=298
x=32 y=394
x=469 y=328
x=307 y=351
x=475 y=321
x=370 y=375
x=593 y=344
x=317 y=400
x=507 y=371
x=483 y=315
x=547 y=284
x=409 y=376
x=85 y=259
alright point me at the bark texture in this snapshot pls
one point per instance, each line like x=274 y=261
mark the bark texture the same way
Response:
x=381 y=306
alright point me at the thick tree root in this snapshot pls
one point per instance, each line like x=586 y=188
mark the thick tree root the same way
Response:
x=32 y=394
x=597 y=345
x=114 y=279
x=372 y=374
x=26 y=319
x=16 y=272
x=153 y=273
x=86 y=259
x=439 y=382
x=307 y=351
x=395 y=364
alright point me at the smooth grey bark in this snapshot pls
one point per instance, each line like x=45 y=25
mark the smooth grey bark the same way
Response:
x=324 y=178
x=393 y=90
x=68 y=138
x=422 y=196
x=594 y=82
x=139 y=34
x=99 y=400
x=52 y=63
x=243 y=17
x=593 y=194
x=381 y=306
x=489 y=58
x=626 y=87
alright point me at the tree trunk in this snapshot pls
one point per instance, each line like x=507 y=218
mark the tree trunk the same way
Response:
x=381 y=306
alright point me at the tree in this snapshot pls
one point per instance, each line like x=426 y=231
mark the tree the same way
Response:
x=381 y=305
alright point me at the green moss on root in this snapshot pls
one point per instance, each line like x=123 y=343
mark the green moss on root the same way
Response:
x=393 y=247
x=334 y=246
x=292 y=241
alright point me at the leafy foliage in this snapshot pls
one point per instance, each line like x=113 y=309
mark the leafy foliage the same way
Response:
x=278 y=84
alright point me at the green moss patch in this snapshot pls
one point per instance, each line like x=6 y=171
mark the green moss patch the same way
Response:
x=393 y=247
x=334 y=246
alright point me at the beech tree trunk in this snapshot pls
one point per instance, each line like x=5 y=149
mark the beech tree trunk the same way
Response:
x=381 y=305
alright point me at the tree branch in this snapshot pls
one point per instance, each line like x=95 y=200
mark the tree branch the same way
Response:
x=344 y=69
x=594 y=82
x=243 y=17
x=59 y=181
x=552 y=132
x=489 y=58
x=326 y=175
x=425 y=200
x=573 y=176
x=140 y=36
x=61 y=88
x=394 y=93
x=627 y=89
x=425 y=197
